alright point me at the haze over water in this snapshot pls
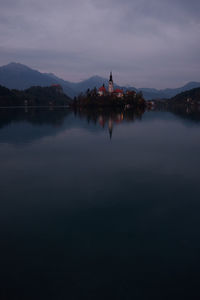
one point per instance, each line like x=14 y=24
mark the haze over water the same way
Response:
x=99 y=206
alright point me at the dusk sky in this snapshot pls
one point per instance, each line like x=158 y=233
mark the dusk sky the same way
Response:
x=147 y=43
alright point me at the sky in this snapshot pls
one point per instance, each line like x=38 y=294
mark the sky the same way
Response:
x=146 y=43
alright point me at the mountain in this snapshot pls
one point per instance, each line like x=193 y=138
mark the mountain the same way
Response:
x=189 y=86
x=18 y=76
x=149 y=93
x=167 y=93
x=90 y=83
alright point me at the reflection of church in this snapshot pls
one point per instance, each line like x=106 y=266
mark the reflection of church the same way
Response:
x=115 y=118
x=108 y=119
x=111 y=91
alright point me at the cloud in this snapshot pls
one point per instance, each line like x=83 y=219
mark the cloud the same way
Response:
x=146 y=42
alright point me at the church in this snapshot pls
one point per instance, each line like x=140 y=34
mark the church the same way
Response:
x=111 y=91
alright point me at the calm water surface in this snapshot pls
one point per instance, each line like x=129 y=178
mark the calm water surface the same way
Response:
x=99 y=205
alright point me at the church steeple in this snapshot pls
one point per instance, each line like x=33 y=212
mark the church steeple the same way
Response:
x=111 y=79
x=111 y=85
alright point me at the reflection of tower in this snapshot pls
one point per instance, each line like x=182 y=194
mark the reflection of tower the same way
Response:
x=110 y=85
x=110 y=127
x=101 y=121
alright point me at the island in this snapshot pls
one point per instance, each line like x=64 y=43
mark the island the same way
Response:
x=109 y=98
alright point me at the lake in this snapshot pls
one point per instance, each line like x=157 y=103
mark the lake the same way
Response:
x=99 y=205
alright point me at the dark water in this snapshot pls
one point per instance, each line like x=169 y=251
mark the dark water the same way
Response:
x=99 y=205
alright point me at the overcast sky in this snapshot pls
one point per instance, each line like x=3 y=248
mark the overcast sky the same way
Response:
x=147 y=43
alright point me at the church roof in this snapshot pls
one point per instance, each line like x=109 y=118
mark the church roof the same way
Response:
x=102 y=89
x=118 y=91
x=130 y=92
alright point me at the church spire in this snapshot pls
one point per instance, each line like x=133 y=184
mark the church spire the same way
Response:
x=111 y=78
x=110 y=84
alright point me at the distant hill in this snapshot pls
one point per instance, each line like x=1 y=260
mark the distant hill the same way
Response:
x=167 y=93
x=94 y=81
x=191 y=96
x=189 y=86
x=18 y=76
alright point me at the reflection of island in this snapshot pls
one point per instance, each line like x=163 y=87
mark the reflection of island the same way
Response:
x=25 y=125
x=109 y=118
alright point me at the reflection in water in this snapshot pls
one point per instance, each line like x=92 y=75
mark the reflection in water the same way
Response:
x=84 y=218
x=187 y=112
x=109 y=118
x=19 y=126
x=106 y=119
x=35 y=116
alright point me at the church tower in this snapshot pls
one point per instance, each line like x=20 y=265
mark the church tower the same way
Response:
x=110 y=85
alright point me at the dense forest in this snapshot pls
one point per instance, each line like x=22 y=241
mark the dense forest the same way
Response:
x=34 y=96
x=188 y=97
x=91 y=100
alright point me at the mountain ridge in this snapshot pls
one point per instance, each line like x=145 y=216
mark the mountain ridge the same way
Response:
x=18 y=76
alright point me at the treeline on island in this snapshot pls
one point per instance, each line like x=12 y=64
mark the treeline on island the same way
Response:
x=34 y=96
x=91 y=99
